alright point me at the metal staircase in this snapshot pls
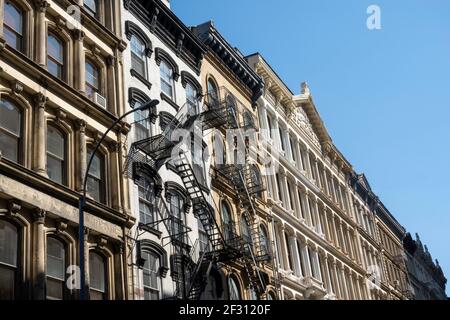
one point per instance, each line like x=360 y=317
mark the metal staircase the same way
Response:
x=191 y=270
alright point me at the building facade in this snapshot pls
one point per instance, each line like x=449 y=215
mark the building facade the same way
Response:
x=229 y=189
x=60 y=89
x=317 y=241
x=426 y=277
x=162 y=61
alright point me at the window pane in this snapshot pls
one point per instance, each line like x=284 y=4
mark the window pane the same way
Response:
x=138 y=65
x=137 y=47
x=166 y=74
x=9 y=146
x=7 y=276
x=151 y=275
x=93 y=188
x=55 y=48
x=54 y=68
x=13 y=18
x=97 y=272
x=12 y=38
x=96 y=166
x=234 y=289
x=8 y=244
x=10 y=117
x=55 y=142
x=92 y=75
x=55 y=289
x=55 y=259
x=91 y=6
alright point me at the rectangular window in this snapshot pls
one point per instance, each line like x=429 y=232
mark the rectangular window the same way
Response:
x=95 y=185
x=166 y=74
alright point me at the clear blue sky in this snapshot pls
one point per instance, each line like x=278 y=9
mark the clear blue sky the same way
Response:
x=384 y=95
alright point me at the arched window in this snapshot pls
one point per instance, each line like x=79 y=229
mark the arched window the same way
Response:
x=152 y=278
x=227 y=221
x=177 y=204
x=245 y=230
x=264 y=241
x=138 y=56
x=166 y=75
x=95 y=179
x=55 y=56
x=142 y=123
x=13 y=26
x=56 y=155
x=191 y=99
x=234 y=289
x=8 y=260
x=146 y=188
x=10 y=130
x=213 y=94
x=92 y=79
x=91 y=7
x=257 y=184
x=97 y=277
x=271 y=296
x=56 y=269
x=231 y=107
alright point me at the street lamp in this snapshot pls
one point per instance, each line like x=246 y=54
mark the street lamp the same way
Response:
x=82 y=201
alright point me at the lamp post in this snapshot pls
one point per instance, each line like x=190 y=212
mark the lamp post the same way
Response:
x=82 y=201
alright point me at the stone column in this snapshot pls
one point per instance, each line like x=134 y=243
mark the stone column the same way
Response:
x=80 y=60
x=336 y=237
x=295 y=259
x=40 y=151
x=86 y=261
x=319 y=227
x=336 y=281
x=351 y=291
x=82 y=153
x=327 y=275
x=284 y=252
x=298 y=258
x=344 y=284
x=115 y=175
x=41 y=32
x=111 y=86
x=306 y=260
x=39 y=255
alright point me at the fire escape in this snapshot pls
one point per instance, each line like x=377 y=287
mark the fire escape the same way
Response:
x=191 y=265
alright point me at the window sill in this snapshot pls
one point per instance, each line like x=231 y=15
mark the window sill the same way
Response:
x=167 y=99
x=150 y=230
x=144 y=80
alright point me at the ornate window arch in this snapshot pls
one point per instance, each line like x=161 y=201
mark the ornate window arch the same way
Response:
x=162 y=55
x=98 y=62
x=212 y=92
x=153 y=259
x=131 y=29
x=234 y=288
x=59 y=47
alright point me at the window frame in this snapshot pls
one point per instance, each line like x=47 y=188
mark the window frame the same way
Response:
x=102 y=179
x=156 y=272
x=60 y=64
x=65 y=154
x=97 y=69
x=104 y=259
x=8 y=133
x=17 y=268
x=20 y=36
x=65 y=260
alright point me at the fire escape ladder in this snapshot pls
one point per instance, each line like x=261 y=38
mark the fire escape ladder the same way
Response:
x=254 y=274
x=201 y=207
